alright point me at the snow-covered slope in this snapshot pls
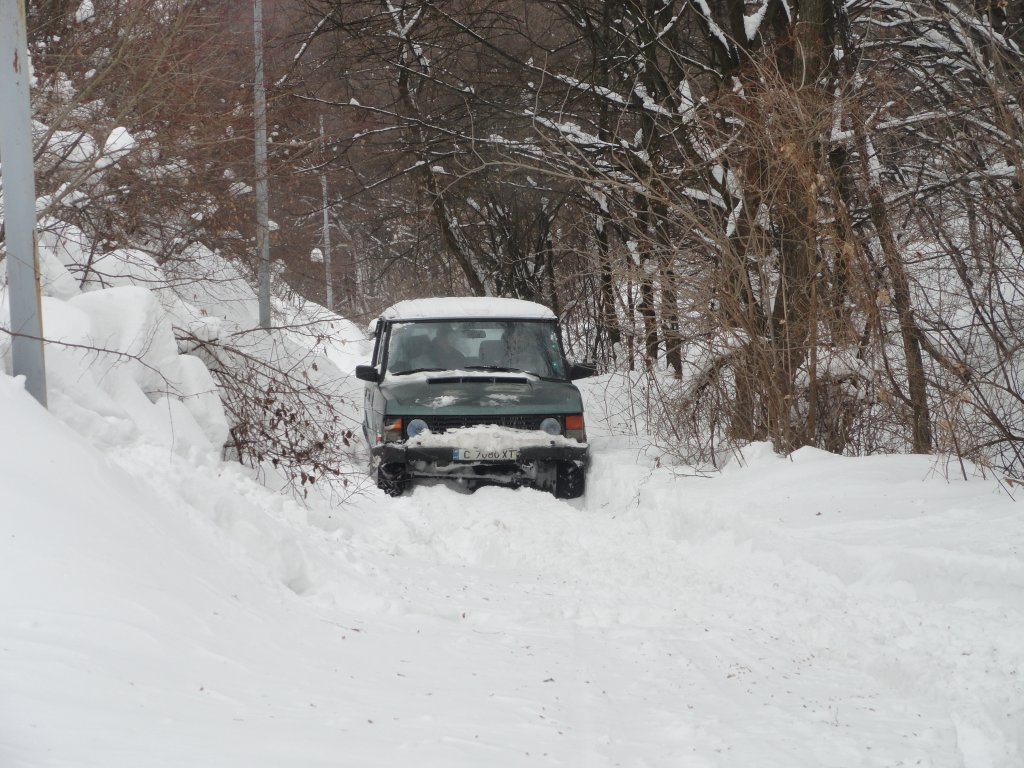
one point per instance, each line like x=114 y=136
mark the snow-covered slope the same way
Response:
x=160 y=608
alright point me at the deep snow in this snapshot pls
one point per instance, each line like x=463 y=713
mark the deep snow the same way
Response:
x=161 y=608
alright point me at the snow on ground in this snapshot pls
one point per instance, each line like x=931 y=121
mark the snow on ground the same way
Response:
x=159 y=607
x=159 y=610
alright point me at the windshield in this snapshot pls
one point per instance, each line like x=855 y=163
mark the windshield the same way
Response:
x=442 y=345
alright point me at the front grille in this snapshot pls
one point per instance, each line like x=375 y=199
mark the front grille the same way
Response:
x=438 y=424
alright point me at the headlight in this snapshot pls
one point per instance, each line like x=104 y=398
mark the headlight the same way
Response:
x=415 y=427
x=552 y=426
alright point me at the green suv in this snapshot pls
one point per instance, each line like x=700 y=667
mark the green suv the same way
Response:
x=477 y=391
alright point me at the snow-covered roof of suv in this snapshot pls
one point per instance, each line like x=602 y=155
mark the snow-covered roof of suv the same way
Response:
x=476 y=307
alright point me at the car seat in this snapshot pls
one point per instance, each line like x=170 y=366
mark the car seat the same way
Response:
x=492 y=352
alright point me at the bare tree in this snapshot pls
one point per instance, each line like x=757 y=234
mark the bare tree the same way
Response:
x=779 y=203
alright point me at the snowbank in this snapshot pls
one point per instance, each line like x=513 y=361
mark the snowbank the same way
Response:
x=130 y=350
x=113 y=364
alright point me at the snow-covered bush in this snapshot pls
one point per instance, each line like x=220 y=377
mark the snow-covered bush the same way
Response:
x=174 y=354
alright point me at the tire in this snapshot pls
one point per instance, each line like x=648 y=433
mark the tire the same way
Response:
x=391 y=479
x=570 y=480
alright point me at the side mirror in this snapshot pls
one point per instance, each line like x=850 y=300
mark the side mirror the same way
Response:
x=367 y=373
x=581 y=370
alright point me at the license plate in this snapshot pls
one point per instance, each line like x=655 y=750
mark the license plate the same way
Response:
x=475 y=454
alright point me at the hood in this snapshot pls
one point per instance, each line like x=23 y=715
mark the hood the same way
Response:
x=465 y=394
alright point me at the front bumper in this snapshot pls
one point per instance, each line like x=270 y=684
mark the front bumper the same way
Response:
x=400 y=453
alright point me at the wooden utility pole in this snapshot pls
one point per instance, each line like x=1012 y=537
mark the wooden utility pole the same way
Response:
x=262 y=202
x=327 y=220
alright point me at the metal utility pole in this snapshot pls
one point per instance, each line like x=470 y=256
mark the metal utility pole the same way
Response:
x=20 y=202
x=262 y=203
x=327 y=225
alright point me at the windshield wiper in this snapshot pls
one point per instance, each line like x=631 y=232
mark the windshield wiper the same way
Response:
x=417 y=370
x=503 y=369
x=499 y=368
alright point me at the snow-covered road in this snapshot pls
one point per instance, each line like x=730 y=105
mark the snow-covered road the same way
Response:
x=165 y=610
x=823 y=611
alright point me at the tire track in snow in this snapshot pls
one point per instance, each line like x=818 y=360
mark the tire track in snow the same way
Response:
x=719 y=631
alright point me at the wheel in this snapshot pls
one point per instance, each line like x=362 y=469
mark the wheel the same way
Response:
x=570 y=480
x=391 y=479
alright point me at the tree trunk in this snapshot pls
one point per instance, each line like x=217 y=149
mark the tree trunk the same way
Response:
x=921 y=429
x=670 y=319
x=791 y=313
x=608 y=324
